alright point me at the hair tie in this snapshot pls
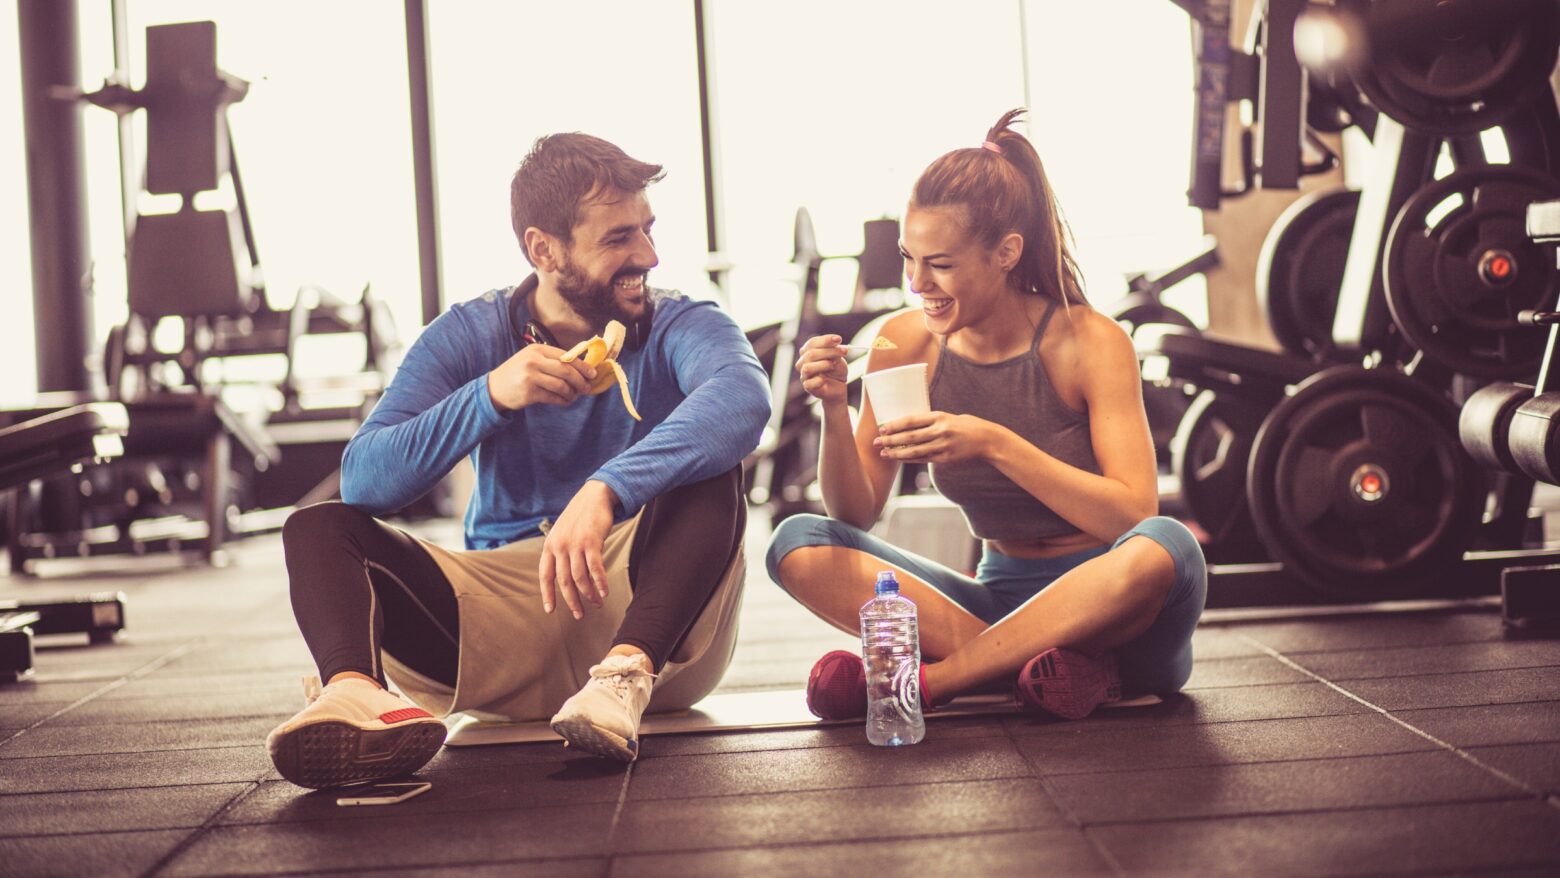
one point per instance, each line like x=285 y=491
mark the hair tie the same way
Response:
x=992 y=146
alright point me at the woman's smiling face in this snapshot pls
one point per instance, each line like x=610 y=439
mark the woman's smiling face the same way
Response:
x=957 y=278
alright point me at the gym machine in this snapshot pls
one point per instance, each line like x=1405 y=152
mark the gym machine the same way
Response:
x=783 y=471
x=1513 y=428
x=1143 y=310
x=1390 y=302
x=195 y=470
x=66 y=440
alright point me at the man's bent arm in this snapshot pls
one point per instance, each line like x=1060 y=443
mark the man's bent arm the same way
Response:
x=435 y=411
x=719 y=422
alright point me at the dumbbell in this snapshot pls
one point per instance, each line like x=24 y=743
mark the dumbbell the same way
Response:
x=1512 y=428
x=1534 y=438
x=1485 y=423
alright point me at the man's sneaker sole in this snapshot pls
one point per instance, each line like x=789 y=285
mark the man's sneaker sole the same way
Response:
x=577 y=731
x=334 y=753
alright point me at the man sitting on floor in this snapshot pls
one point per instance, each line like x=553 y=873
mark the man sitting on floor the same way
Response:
x=628 y=522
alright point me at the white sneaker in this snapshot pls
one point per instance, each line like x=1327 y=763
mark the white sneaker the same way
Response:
x=351 y=732
x=603 y=717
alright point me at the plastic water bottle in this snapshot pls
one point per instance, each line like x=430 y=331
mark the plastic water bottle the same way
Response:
x=891 y=650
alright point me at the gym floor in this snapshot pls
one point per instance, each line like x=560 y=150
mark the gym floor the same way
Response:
x=1372 y=745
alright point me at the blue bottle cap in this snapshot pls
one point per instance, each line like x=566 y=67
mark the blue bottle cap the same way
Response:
x=886 y=583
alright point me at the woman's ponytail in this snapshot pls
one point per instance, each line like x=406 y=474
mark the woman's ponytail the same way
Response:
x=1003 y=188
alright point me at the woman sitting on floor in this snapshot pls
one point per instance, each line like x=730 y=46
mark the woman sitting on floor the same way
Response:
x=1037 y=432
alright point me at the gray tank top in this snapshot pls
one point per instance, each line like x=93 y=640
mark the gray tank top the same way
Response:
x=1017 y=394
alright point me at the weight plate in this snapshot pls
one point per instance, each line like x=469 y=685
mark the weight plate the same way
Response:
x=1460 y=266
x=1300 y=269
x=1208 y=455
x=1357 y=483
x=1447 y=67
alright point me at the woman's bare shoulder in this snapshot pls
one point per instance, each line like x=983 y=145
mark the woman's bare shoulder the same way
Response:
x=912 y=341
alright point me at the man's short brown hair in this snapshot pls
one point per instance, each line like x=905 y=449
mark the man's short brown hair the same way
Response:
x=561 y=173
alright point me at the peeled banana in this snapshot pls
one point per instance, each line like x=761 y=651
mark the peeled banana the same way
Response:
x=601 y=352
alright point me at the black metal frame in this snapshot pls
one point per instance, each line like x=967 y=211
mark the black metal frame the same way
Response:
x=48 y=34
x=424 y=173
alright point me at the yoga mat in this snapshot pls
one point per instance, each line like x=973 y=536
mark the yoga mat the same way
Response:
x=736 y=711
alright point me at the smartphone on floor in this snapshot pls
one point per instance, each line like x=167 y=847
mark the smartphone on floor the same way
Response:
x=382 y=793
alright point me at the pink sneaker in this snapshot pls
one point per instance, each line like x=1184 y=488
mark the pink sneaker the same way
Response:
x=1068 y=684
x=837 y=687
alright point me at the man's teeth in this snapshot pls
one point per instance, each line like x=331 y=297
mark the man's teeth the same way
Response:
x=629 y=283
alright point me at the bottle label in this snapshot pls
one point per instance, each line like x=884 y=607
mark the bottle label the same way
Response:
x=907 y=689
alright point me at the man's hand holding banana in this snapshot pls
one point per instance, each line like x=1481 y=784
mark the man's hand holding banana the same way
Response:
x=538 y=374
x=541 y=373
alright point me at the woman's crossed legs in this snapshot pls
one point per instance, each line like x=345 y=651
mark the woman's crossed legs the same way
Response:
x=1139 y=599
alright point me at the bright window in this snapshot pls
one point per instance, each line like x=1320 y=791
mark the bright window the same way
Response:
x=1110 y=86
x=622 y=71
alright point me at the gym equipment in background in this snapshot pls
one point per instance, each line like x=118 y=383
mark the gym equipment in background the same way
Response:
x=1449 y=67
x=1459 y=269
x=1513 y=429
x=65 y=440
x=783 y=471
x=203 y=454
x=1354 y=485
x=1143 y=309
x=1300 y=270
x=1358 y=485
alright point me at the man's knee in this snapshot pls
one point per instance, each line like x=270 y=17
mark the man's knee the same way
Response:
x=320 y=522
x=723 y=491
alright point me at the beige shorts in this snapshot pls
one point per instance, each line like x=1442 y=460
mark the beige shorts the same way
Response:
x=519 y=664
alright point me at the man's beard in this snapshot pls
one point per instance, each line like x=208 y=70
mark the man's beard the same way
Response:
x=596 y=302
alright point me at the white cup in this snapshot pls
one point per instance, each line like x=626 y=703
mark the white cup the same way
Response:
x=896 y=393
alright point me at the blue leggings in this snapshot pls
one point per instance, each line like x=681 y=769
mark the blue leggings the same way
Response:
x=1157 y=661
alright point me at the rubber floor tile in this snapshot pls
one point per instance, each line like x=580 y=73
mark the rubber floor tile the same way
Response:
x=115 y=771
x=1374 y=631
x=932 y=760
x=1525 y=722
x=1254 y=671
x=1453 y=690
x=94 y=811
x=103 y=855
x=397 y=840
x=1535 y=764
x=1479 y=838
x=51 y=739
x=1442 y=659
x=995 y=855
x=835 y=815
x=1088 y=750
x=516 y=787
x=1282 y=701
x=1309 y=785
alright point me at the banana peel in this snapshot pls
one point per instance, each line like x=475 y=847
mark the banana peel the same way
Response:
x=600 y=352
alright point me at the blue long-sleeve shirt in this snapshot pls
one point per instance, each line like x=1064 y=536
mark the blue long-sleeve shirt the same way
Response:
x=695 y=381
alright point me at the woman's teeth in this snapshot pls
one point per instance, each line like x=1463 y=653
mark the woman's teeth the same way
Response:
x=935 y=306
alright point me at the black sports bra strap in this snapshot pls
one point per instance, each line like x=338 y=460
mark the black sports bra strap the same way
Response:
x=1045 y=320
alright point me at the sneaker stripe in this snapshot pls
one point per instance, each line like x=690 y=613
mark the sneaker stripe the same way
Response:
x=404 y=714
